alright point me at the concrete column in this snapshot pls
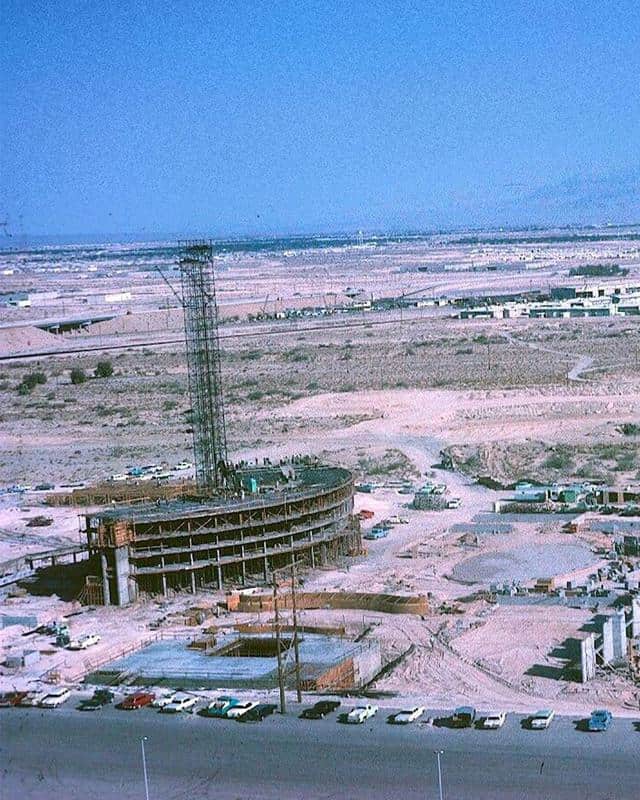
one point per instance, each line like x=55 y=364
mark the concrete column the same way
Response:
x=607 y=642
x=191 y=571
x=313 y=557
x=106 y=591
x=244 y=565
x=635 y=618
x=163 y=577
x=219 y=572
x=587 y=658
x=619 y=625
x=121 y=571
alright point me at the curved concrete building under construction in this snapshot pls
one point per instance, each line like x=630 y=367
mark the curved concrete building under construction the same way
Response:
x=295 y=510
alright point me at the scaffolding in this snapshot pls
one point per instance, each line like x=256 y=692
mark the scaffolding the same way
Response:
x=203 y=362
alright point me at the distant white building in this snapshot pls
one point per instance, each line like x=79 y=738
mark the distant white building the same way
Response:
x=108 y=299
x=15 y=300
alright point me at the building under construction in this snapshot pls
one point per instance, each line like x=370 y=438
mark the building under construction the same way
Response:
x=300 y=511
x=241 y=523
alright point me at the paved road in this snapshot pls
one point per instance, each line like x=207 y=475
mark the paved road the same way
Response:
x=65 y=754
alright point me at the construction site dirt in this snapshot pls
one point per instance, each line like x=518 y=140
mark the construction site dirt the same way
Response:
x=381 y=402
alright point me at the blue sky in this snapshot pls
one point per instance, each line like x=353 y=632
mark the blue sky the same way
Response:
x=283 y=117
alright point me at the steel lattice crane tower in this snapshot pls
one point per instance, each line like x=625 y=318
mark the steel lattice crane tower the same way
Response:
x=203 y=362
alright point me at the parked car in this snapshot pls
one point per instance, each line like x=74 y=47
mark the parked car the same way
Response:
x=377 y=532
x=180 y=702
x=44 y=487
x=84 y=641
x=463 y=717
x=258 y=713
x=360 y=714
x=494 y=720
x=454 y=502
x=320 y=709
x=163 y=700
x=100 y=698
x=220 y=706
x=541 y=719
x=408 y=716
x=599 y=721
x=241 y=708
x=33 y=698
x=55 y=698
x=137 y=700
x=183 y=465
x=8 y=699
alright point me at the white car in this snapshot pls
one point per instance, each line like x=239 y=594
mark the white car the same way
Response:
x=240 y=709
x=541 y=719
x=180 y=702
x=163 y=700
x=408 y=716
x=118 y=477
x=494 y=720
x=183 y=465
x=454 y=502
x=55 y=698
x=33 y=698
x=84 y=641
x=360 y=714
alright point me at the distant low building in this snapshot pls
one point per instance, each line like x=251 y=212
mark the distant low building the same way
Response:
x=15 y=300
x=108 y=299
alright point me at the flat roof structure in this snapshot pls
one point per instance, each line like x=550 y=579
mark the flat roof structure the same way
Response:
x=172 y=663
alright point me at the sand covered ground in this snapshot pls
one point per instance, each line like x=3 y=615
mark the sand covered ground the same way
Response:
x=511 y=399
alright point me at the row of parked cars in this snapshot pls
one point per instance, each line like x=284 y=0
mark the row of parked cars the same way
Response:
x=467 y=717
x=228 y=707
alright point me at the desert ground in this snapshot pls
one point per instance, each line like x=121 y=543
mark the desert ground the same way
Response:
x=383 y=393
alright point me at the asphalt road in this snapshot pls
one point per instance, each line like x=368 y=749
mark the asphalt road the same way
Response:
x=67 y=754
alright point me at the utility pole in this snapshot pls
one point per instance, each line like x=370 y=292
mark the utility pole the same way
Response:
x=294 y=608
x=144 y=768
x=438 y=753
x=283 y=709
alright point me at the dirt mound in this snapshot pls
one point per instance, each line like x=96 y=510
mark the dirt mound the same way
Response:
x=24 y=338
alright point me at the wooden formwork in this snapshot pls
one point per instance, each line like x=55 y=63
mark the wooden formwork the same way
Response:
x=340 y=676
x=365 y=601
x=107 y=493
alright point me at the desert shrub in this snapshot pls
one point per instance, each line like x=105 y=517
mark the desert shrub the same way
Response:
x=30 y=381
x=104 y=369
x=250 y=355
x=630 y=429
x=78 y=376
x=560 y=459
x=296 y=355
